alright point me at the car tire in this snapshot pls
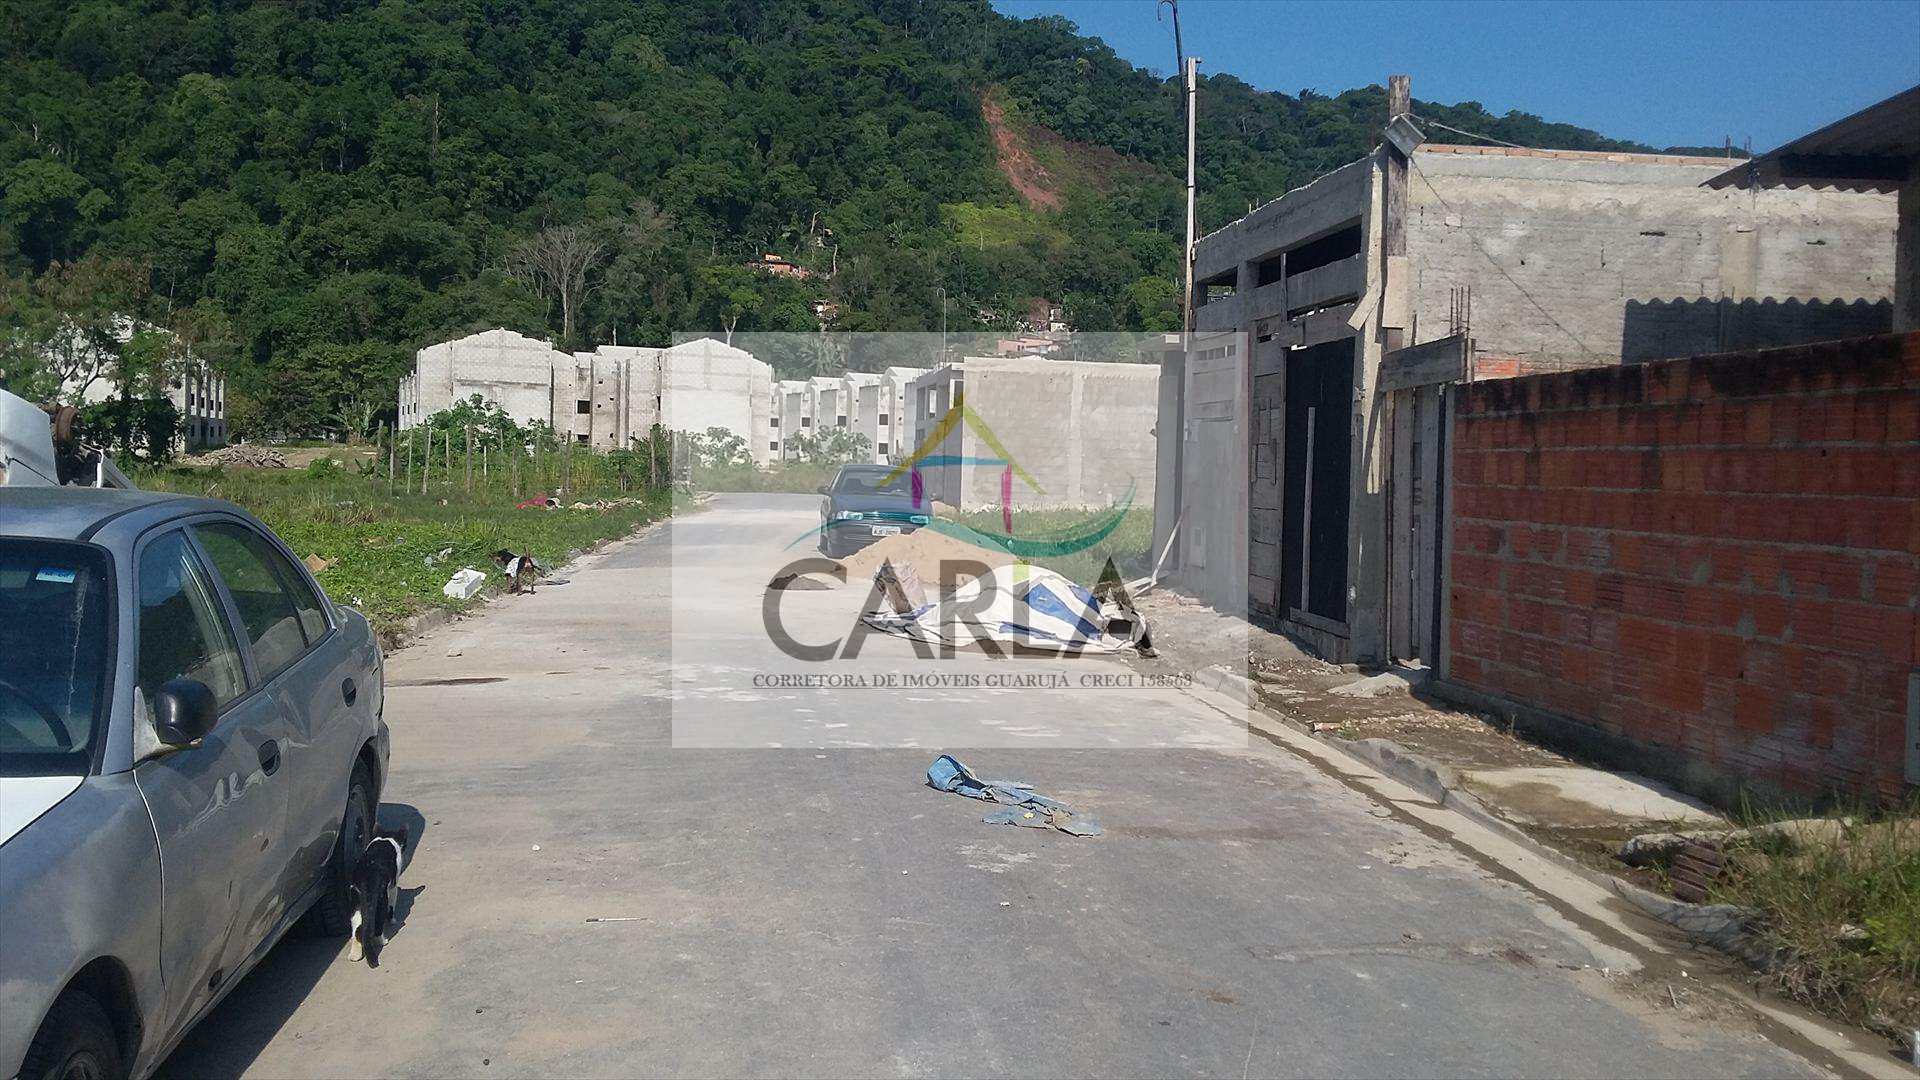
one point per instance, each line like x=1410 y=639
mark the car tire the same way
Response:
x=75 y=1042
x=332 y=914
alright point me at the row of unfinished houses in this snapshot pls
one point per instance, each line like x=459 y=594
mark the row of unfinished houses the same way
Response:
x=1074 y=433
x=606 y=398
x=868 y=404
x=1437 y=412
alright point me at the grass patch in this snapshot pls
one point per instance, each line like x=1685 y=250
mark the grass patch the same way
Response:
x=384 y=544
x=1842 y=917
x=979 y=226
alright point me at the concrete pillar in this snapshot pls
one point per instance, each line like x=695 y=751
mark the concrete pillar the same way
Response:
x=1906 y=256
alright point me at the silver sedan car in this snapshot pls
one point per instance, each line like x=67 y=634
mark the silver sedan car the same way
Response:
x=191 y=753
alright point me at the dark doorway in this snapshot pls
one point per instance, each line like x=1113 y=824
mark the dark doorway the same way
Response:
x=1319 y=452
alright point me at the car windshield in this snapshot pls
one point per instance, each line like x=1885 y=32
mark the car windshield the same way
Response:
x=54 y=612
x=874 y=482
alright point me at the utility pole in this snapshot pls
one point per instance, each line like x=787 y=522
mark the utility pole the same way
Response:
x=1189 y=74
x=1186 y=255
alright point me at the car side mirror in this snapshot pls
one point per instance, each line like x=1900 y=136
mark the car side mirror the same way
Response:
x=184 y=711
x=822 y=489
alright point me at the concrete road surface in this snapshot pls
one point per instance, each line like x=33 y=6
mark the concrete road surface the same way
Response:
x=588 y=898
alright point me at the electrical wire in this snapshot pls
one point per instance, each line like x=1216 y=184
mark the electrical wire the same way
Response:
x=1468 y=134
x=1414 y=161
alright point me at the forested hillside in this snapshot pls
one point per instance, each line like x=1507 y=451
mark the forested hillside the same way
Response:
x=306 y=192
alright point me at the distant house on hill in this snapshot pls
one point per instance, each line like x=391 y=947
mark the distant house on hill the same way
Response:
x=781 y=266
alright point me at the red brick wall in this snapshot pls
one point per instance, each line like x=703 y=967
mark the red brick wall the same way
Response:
x=1717 y=556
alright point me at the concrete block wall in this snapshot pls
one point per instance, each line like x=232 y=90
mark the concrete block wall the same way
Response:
x=1083 y=431
x=1577 y=259
x=1714 y=560
x=501 y=366
x=707 y=384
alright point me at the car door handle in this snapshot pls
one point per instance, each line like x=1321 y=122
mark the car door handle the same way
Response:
x=270 y=756
x=348 y=691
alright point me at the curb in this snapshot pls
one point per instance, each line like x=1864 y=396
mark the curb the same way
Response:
x=413 y=629
x=1721 y=926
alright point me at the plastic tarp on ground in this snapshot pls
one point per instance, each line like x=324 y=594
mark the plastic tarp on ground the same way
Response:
x=1022 y=605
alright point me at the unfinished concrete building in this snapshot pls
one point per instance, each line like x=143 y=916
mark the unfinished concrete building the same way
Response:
x=1332 y=319
x=606 y=398
x=1068 y=434
x=864 y=403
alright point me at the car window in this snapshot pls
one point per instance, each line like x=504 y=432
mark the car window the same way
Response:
x=183 y=627
x=870 y=482
x=256 y=577
x=54 y=655
x=306 y=601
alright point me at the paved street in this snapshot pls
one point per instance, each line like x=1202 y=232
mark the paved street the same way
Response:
x=600 y=751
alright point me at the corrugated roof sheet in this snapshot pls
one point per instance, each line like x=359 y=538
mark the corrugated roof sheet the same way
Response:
x=1871 y=138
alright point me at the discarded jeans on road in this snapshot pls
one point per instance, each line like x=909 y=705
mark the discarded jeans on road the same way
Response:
x=1023 y=806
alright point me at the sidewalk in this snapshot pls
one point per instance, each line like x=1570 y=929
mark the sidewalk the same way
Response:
x=1465 y=759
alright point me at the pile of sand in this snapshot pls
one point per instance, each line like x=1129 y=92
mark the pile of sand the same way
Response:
x=924 y=550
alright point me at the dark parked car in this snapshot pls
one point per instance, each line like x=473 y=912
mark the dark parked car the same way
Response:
x=191 y=753
x=863 y=504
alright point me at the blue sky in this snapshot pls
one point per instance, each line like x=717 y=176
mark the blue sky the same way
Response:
x=1667 y=74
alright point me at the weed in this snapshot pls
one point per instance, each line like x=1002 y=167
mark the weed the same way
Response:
x=1842 y=916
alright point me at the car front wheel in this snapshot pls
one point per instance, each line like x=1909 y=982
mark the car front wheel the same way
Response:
x=75 y=1042
x=332 y=914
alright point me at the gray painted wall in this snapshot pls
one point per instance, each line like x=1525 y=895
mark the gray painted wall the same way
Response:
x=1579 y=261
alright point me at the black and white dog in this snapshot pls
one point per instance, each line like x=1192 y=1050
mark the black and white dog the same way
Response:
x=376 y=888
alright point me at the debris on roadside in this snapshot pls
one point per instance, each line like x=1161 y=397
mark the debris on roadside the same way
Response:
x=1021 y=805
x=901 y=586
x=1023 y=606
x=811 y=581
x=538 y=502
x=244 y=455
x=1648 y=849
x=439 y=557
x=315 y=563
x=464 y=584
x=1694 y=870
x=1394 y=681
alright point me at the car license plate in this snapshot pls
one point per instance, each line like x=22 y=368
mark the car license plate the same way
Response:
x=886 y=530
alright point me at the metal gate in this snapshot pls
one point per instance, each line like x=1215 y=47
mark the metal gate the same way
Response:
x=1418 y=382
x=1213 y=463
